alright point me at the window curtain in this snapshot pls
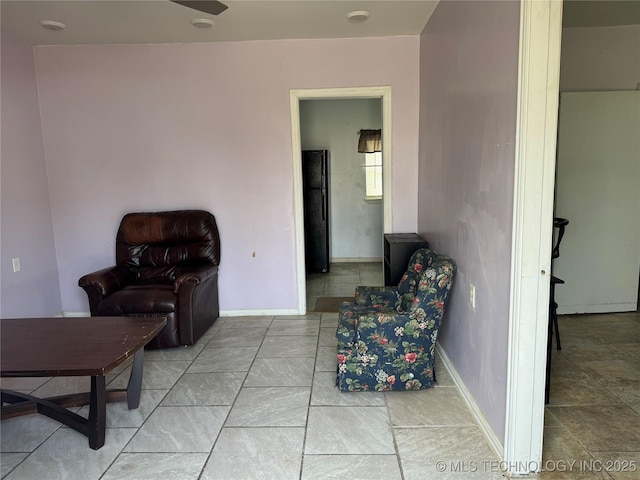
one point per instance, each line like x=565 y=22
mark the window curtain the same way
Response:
x=370 y=141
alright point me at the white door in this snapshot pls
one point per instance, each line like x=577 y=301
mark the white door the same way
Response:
x=598 y=191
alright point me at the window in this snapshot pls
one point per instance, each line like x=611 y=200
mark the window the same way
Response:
x=370 y=143
x=373 y=175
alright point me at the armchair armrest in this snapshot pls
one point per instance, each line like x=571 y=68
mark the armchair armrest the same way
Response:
x=379 y=298
x=107 y=280
x=195 y=276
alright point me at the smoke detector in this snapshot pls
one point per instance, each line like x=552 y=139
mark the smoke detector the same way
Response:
x=202 y=23
x=51 y=25
x=358 y=16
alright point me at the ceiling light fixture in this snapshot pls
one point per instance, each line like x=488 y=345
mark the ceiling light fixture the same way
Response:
x=358 y=16
x=202 y=23
x=51 y=25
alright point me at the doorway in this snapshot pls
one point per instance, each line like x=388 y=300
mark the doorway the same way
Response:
x=329 y=128
x=383 y=94
x=596 y=190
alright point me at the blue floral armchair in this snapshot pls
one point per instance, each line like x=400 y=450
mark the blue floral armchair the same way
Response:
x=387 y=337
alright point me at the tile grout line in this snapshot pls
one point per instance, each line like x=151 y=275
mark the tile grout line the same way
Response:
x=393 y=436
x=222 y=427
x=313 y=376
x=158 y=405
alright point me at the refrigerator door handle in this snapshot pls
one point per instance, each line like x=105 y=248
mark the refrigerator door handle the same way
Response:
x=323 y=187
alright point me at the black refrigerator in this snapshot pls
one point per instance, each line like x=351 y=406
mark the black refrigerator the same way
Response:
x=315 y=187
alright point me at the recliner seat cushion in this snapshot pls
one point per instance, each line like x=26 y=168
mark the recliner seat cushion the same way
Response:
x=140 y=299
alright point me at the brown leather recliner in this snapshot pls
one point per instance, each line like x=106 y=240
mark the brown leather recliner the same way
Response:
x=166 y=265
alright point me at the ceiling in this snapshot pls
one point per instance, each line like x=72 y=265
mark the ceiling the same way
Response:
x=591 y=13
x=161 y=21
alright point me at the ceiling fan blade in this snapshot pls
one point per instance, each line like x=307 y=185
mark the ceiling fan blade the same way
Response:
x=208 y=6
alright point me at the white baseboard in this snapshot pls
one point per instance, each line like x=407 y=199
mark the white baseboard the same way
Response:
x=488 y=433
x=600 y=308
x=223 y=313
x=261 y=313
x=357 y=260
x=74 y=314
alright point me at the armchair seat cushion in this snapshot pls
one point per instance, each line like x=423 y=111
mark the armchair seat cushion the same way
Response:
x=141 y=299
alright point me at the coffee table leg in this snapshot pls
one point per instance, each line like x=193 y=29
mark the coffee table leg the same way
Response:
x=134 y=386
x=96 y=423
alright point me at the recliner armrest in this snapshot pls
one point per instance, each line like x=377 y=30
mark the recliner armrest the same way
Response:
x=107 y=280
x=195 y=276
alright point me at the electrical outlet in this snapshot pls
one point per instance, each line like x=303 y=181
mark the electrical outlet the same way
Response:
x=15 y=262
x=472 y=295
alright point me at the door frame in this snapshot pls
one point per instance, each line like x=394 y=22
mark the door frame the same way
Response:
x=295 y=95
x=534 y=180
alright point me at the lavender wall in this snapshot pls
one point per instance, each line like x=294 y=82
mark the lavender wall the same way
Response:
x=468 y=88
x=600 y=58
x=150 y=127
x=27 y=231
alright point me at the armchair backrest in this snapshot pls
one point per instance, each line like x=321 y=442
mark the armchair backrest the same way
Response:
x=163 y=245
x=426 y=283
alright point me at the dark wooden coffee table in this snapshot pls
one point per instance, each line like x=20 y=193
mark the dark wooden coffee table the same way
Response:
x=88 y=346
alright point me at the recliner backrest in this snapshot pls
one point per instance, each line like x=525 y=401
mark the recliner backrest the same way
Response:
x=160 y=246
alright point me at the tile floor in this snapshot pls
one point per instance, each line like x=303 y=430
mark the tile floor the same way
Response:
x=342 y=280
x=594 y=403
x=255 y=399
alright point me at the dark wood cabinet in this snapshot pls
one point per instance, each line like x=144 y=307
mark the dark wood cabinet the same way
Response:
x=398 y=248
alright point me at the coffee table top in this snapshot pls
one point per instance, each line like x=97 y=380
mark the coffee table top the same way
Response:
x=72 y=346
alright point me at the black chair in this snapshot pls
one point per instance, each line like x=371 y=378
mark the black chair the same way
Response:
x=559 y=224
